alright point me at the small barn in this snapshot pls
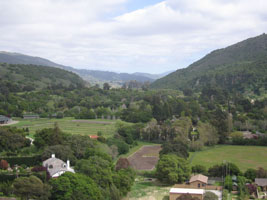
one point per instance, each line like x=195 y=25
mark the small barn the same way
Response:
x=199 y=181
x=31 y=116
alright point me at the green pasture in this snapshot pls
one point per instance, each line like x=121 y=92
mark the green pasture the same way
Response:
x=243 y=156
x=68 y=125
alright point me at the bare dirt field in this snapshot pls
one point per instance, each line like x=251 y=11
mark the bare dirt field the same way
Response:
x=145 y=158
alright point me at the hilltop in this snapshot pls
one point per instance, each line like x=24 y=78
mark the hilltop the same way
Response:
x=240 y=67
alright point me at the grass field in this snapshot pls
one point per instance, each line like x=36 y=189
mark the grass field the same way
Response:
x=243 y=156
x=70 y=125
x=148 y=190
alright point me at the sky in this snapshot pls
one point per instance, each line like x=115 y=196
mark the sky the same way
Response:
x=152 y=36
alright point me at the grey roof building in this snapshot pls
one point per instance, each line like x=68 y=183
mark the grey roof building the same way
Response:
x=4 y=119
x=31 y=116
x=57 y=167
x=261 y=182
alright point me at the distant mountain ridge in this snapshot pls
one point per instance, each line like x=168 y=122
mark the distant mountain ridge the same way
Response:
x=17 y=58
x=23 y=77
x=92 y=76
x=239 y=67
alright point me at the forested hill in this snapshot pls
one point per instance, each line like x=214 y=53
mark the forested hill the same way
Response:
x=18 y=78
x=92 y=76
x=240 y=67
x=17 y=58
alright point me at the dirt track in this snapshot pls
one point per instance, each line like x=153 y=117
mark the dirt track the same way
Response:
x=13 y=122
x=145 y=158
x=92 y=122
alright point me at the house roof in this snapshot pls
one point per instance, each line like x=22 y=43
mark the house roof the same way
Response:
x=199 y=177
x=55 y=165
x=4 y=118
x=94 y=136
x=186 y=190
x=261 y=181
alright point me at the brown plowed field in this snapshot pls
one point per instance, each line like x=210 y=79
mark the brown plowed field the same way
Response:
x=145 y=158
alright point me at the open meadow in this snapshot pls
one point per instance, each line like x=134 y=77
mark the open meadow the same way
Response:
x=70 y=125
x=243 y=156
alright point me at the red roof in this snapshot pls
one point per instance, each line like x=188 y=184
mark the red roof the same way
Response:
x=93 y=136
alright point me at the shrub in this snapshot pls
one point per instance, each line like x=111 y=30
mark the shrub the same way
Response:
x=210 y=196
x=26 y=160
x=3 y=164
x=42 y=169
x=199 y=169
x=6 y=188
x=122 y=163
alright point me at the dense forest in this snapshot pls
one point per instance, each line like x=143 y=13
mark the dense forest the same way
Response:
x=240 y=68
x=23 y=78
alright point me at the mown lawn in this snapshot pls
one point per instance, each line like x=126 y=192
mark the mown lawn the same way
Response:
x=84 y=127
x=243 y=156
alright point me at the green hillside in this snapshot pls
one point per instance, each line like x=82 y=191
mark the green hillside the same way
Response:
x=19 y=78
x=241 y=67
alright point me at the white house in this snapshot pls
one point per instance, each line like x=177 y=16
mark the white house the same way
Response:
x=57 y=167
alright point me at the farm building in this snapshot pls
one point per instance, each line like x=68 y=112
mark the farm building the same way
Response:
x=57 y=167
x=196 y=187
x=199 y=181
x=94 y=136
x=4 y=119
x=261 y=182
x=177 y=192
x=31 y=116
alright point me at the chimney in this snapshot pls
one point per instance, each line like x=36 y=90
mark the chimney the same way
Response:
x=68 y=164
x=53 y=156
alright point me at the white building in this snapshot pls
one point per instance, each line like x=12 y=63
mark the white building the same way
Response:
x=57 y=167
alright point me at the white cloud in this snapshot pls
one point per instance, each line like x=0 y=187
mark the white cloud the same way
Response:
x=158 y=38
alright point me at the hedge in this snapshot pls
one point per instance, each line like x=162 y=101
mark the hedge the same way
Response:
x=26 y=160
x=5 y=177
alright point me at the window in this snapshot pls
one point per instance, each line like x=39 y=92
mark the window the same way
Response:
x=199 y=185
x=50 y=166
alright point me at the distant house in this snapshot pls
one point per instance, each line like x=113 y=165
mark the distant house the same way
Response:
x=4 y=119
x=94 y=137
x=57 y=167
x=199 y=181
x=196 y=187
x=261 y=182
x=31 y=116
